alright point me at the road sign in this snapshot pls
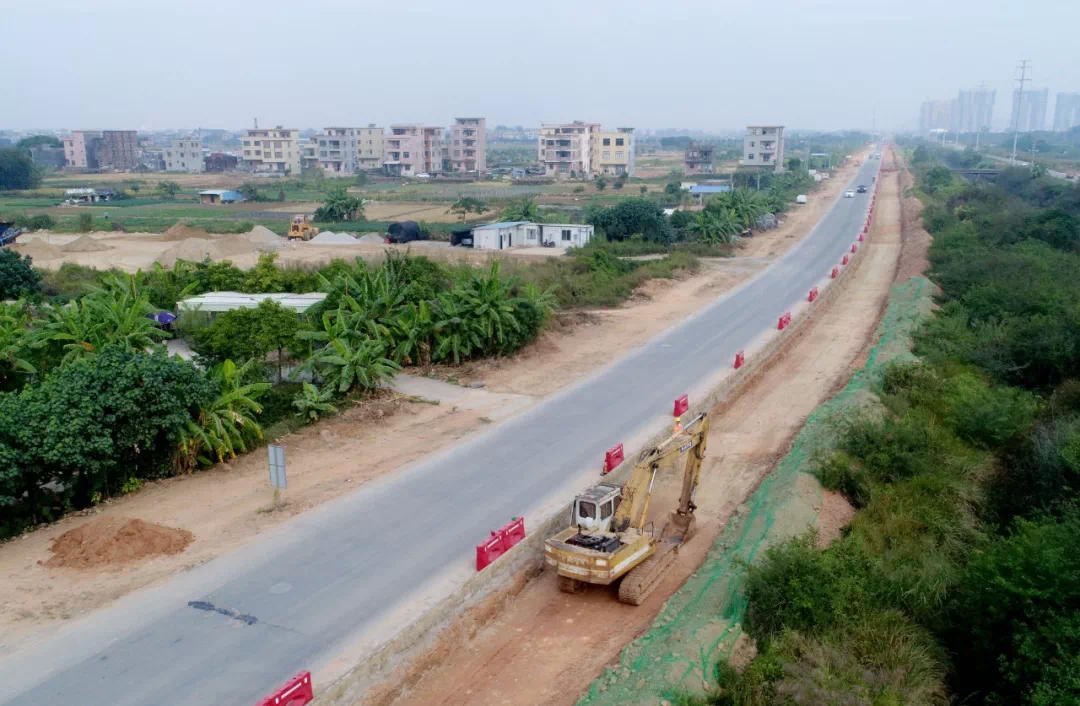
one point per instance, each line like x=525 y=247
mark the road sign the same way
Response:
x=277 y=466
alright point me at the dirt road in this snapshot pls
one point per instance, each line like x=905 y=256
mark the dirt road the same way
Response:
x=548 y=646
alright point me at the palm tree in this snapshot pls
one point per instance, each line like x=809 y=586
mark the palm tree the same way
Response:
x=16 y=340
x=715 y=226
x=311 y=402
x=346 y=364
x=222 y=426
x=523 y=210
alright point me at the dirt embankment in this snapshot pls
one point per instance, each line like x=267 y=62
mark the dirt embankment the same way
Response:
x=546 y=647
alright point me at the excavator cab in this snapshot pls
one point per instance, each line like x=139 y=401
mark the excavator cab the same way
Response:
x=595 y=508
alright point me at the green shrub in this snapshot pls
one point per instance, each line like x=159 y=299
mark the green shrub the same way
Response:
x=17 y=276
x=86 y=222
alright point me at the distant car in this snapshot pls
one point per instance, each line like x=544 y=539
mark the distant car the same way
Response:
x=423 y=176
x=849 y=194
x=861 y=189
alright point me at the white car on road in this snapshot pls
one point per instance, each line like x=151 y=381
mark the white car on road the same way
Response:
x=849 y=194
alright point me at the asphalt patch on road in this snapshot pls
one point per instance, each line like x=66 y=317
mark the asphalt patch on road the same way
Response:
x=211 y=608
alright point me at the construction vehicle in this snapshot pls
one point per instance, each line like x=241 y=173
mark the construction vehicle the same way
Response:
x=8 y=234
x=611 y=539
x=301 y=228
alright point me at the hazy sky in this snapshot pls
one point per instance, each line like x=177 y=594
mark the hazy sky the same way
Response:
x=671 y=63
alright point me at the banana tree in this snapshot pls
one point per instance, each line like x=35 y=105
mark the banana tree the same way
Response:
x=228 y=423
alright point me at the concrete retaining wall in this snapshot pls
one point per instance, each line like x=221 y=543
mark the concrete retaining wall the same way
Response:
x=528 y=556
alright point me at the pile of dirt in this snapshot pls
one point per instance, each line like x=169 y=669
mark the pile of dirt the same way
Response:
x=329 y=238
x=265 y=239
x=377 y=238
x=39 y=250
x=237 y=244
x=180 y=232
x=192 y=250
x=115 y=540
x=85 y=244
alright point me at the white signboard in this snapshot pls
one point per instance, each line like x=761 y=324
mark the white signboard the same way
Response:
x=277 y=466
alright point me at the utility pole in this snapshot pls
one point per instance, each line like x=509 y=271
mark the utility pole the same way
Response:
x=1023 y=67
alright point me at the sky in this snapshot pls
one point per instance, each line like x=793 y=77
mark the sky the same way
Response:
x=700 y=64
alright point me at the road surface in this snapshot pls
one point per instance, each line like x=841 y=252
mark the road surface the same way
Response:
x=228 y=632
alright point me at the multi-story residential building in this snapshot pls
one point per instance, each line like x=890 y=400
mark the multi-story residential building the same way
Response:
x=974 y=110
x=699 y=159
x=1066 y=111
x=118 y=149
x=412 y=149
x=221 y=162
x=935 y=115
x=272 y=150
x=613 y=152
x=1029 y=109
x=337 y=150
x=102 y=149
x=565 y=149
x=467 y=149
x=184 y=156
x=763 y=147
x=309 y=154
x=369 y=148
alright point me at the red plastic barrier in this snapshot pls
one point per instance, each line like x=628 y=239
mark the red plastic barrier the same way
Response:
x=835 y=272
x=490 y=550
x=783 y=321
x=854 y=248
x=613 y=458
x=844 y=261
x=740 y=360
x=513 y=532
x=862 y=236
x=296 y=692
x=813 y=294
x=681 y=405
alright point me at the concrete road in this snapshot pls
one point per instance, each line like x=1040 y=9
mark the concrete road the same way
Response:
x=228 y=632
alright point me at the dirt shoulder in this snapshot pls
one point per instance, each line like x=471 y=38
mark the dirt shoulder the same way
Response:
x=547 y=647
x=225 y=507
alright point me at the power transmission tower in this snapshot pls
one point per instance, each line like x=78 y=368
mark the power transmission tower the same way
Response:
x=1023 y=68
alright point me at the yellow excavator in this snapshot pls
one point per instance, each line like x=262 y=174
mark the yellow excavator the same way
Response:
x=611 y=538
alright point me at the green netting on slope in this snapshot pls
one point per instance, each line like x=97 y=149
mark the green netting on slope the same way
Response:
x=700 y=624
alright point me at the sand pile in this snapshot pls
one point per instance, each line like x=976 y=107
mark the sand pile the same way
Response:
x=115 y=540
x=192 y=250
x=85 y=244
x=38 y=250
x=371 y=238
x=181 y=232
x=237 y=244
x=329 y=238
x=265 y=239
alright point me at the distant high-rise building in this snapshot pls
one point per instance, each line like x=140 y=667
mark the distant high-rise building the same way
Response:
x=936 y=115
x=1066 y=111
x=468 y=145
x=1029 y=109
x=974 y=110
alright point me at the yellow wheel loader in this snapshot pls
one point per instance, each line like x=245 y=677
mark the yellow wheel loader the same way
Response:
x=611 y=538
x=301 y=228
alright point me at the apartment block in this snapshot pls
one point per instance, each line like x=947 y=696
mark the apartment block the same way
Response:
x=184 y=156
x=337 y=150
x=412 y=149
x=1066 y=111
x=1029 y=109
x=613 y=152
x=369 y=148
x=974 y=110
x=272 y=150
x=763 y=147
x=467 y=149
x=699 y=159
x=102 y=149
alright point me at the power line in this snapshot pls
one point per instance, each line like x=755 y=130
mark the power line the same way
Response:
x=1023 y=68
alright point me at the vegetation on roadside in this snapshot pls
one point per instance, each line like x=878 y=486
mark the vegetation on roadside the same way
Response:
x=958 y=581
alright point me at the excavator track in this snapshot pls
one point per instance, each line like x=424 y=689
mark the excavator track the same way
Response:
x=636 y=586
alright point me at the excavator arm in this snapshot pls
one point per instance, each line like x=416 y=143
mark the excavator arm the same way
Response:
x=634 y=506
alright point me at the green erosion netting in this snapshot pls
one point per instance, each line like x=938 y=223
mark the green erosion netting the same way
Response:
x=699 y=625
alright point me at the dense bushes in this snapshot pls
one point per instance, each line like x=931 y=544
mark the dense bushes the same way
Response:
x=89 y=428
x=17 y=277
x=960 y=573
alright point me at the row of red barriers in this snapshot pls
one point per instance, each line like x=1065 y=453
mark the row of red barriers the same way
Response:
x=500 y=542
x=296 y=692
